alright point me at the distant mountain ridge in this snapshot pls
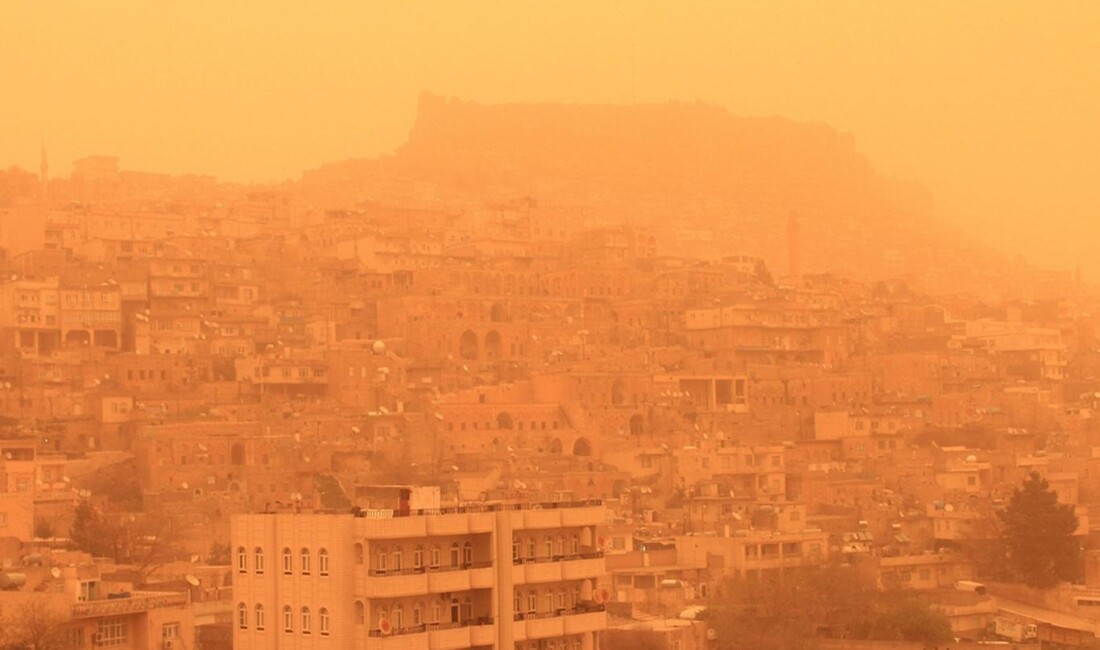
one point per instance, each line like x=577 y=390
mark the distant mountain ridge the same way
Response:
x=688 y=165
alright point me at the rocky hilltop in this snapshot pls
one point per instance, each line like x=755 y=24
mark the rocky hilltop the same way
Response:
x=728 y=180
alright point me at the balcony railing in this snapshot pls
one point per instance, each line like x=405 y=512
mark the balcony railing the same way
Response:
x=129 y=605
x=382 y=573
x=488 y=507
x=590 y=555
x=579 y=609
x=428 y=627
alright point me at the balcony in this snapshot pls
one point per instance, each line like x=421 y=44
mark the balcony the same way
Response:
x=482 y=576
x=545 y=628
x=137 y=602
x=449 y=525
x=579 y=622
x=539 y=570
x=444 y=580
x=540 y=518
x=556 y=569
x=589 y=565
x=396 y=584
x=437 y=580
x=554 y=624
x=583 y=516
x=412 y=641
x=391 y=524
x=483 y=635
x=446 y=636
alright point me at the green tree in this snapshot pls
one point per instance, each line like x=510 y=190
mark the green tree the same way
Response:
x=792 y=610
x=909 y=619
x=1038 y=534
x=92 y=533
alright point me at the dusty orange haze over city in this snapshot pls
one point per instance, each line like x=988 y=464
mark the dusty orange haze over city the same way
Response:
x=992 y=105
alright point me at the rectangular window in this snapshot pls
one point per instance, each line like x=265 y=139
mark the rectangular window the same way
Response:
x=169 y=631
x=111 y=632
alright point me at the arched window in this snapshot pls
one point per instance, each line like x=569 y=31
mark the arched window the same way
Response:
x=559 y=546
x=398 y=617
x=307 y=621
x=380 y=560
x=258 y=556
x=418 y=614
x=548 y=546
x=322 y=562
x=436 y=611
x=454 y=553
x=575 y=544
x=418 y=557
x=560 y=604
x=382 y=616
x=358 y=553
x=323 y=621
x=530 y=547
x=515 y=550
x=242 y=560
x=467 y=553
x=456 y=613
x=434 y=556
x=467 y=609
x=305 y=562
x=242 y=616
x=360 y=613
x=397 y=559
x=288 y=619
x=288 y=562
x=261 y=623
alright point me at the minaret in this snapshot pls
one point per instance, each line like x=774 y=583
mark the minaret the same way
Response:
x=793 y=269
x=44 y=173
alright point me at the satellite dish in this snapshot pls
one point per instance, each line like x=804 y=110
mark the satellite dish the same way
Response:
x=378 y=347
x=55 y=572
x=949 y=508
x=385 y=627
x=193 y=581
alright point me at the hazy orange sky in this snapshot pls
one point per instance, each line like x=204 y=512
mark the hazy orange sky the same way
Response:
x=995 y=106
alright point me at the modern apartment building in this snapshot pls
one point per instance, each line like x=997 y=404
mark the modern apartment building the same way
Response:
x=484 y=576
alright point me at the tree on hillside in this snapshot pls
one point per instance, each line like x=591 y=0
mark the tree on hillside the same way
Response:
x=793 y=610
x=1039 y=535
x=93 y=533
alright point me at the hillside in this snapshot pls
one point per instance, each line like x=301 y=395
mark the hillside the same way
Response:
x=731 y=181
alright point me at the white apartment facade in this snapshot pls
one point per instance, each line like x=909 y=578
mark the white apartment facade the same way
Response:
x=485 y=576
